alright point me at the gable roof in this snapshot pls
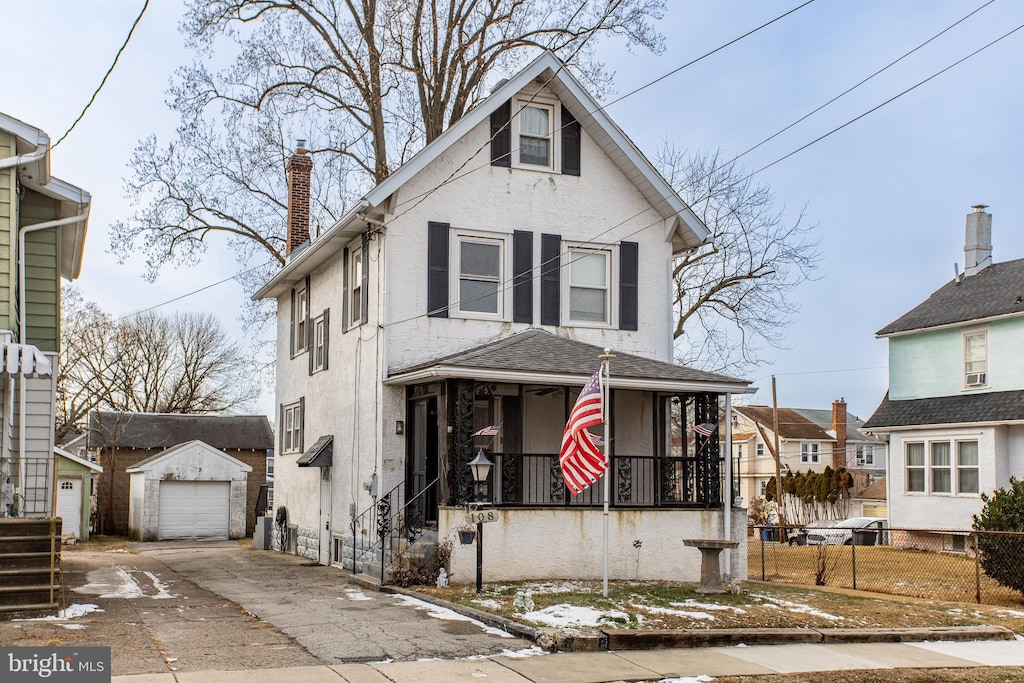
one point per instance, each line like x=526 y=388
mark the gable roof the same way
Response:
x=683 y=228
x=536 y=356
x=71 y=457
x=792 y=425
x=164 y=430
x=874 y=491
x=823 y=418
x=156 y=459
x=995 y=292
x=992 y=406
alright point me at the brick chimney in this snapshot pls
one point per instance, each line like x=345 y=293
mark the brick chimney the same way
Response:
x=300 y=169
x=839 y=429
x=978 y=241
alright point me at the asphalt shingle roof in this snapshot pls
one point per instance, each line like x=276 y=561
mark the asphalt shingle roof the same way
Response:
x=823 y=418
x=792 y=425
x=995 y=406
x=996 y=291
x=539 y=351
x=163 y=430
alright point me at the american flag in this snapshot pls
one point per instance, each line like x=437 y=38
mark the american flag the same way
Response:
x=706 y=429
x=490 y=430
x=582 y=463
x=598 y=439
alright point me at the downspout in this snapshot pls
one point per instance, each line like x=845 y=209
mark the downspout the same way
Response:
x=11 y=162
x=729 y=500
x=22 y=337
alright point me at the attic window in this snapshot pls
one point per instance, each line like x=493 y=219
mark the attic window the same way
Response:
x=535 y=141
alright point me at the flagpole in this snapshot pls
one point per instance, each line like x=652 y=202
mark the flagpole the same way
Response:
x=606 y=358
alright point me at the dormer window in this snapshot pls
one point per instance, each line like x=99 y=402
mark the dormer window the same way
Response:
x=975 y=359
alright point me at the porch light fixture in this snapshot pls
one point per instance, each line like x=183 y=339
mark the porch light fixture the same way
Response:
x=481 y=467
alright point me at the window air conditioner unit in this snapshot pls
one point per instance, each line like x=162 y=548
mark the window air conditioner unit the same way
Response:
x=975 y=379
x=860 y=462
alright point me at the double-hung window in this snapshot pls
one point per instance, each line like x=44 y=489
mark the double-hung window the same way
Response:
x=355 y=287
x=915 y=467
x=480 y=275
x=319 y=343
x=809 y=452
x=536 y=123
x=975 y=359
x=941 y=481
x=967 y=467
x=292 y=434
x=300 y=318
x=589 y=275
x=760 y=450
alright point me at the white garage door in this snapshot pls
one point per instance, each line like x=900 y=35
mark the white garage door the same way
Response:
x=69 y=504
x=194 y=509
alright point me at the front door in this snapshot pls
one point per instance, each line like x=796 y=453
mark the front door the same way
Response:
x=422 y=461
x=325 y=515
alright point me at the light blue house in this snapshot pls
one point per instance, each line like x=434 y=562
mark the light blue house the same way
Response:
x=954 y=413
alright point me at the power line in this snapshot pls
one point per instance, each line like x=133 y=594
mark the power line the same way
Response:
x=105 y=76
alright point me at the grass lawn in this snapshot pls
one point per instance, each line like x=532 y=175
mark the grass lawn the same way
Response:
x=658 y=605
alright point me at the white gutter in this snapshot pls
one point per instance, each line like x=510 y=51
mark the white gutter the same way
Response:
x=23 y=332
x=11 y=162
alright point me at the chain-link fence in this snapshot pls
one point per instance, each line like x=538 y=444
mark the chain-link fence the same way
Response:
x=942 y=564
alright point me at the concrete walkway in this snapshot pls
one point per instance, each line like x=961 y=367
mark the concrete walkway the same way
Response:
x=636 y=665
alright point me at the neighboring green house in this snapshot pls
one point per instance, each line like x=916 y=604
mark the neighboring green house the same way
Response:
x=43 y=221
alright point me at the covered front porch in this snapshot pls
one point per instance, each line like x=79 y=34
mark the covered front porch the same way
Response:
x=667 y=480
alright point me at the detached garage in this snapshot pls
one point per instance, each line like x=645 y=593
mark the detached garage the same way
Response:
x=190 y=491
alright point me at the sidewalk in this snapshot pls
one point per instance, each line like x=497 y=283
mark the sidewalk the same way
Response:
x=634 y=665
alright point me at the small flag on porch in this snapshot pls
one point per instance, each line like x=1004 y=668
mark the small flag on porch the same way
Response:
x=490 y=430
x=706 y=429
x=582 y=463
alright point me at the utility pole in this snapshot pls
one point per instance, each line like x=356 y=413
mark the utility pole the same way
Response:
x=778 y=463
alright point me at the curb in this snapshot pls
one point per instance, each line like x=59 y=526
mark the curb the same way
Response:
x=593 y=640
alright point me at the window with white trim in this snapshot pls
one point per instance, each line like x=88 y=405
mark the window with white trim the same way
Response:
x=760 y=450
x=536 y=142
x=915 y=467
x=967 y=467
x=809 y=452
x=319 y=343
x=941 y=478
x=300 y=317
x=292 y=434
x=480 y=271
x=763 y=487
x=355 y=287
x=975 y=359
x=739 y=451
x=589 y=291
x=943 y=467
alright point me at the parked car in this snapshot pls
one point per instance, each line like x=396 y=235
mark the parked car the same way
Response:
x=799 y=537
x=859 y=530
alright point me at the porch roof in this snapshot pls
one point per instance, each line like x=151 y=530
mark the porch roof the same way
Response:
x=320 y=454
x=536 y=356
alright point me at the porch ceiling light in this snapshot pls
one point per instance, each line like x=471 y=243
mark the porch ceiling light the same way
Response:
x=480 y=466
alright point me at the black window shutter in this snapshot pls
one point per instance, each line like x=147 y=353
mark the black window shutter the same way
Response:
x=550 y=274
x=302 y=424
x=570 y=144
x=628 y=275
x=501 y=135
x=437 y=269
x=327 y=335
x=280 y=427
x=291 y=329
x=365 y=291
x=522 y=276
x=344 y=290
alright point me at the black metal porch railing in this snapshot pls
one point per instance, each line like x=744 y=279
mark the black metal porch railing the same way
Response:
x=637 y=481
x=378 y=533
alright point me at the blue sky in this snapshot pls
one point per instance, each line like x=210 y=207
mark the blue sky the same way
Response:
x=888 y=193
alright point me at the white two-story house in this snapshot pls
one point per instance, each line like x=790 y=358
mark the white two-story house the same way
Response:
x=954 y=412
x=476 y=286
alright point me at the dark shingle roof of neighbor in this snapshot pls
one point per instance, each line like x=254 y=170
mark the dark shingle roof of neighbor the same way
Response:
x=823 y=418
x=163 y=430
x=536 y=350
x=993 y=406
x=996 y=291
x=792 y=425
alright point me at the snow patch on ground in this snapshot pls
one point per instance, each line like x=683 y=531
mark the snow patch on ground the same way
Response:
x=356 y=594
x=72 y=612
x=674 y=612
x=573 y=615
x=796 y=607
x=118 y=582
x=708 y=606
x=534 y=651
x=161 y=587
x=1010 y=613
x=488 y=603
x=556 y=587
x=448 y=615
x=74 y=627
x=688 y=679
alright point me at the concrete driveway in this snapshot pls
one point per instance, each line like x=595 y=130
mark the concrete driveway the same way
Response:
x=317 y=606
